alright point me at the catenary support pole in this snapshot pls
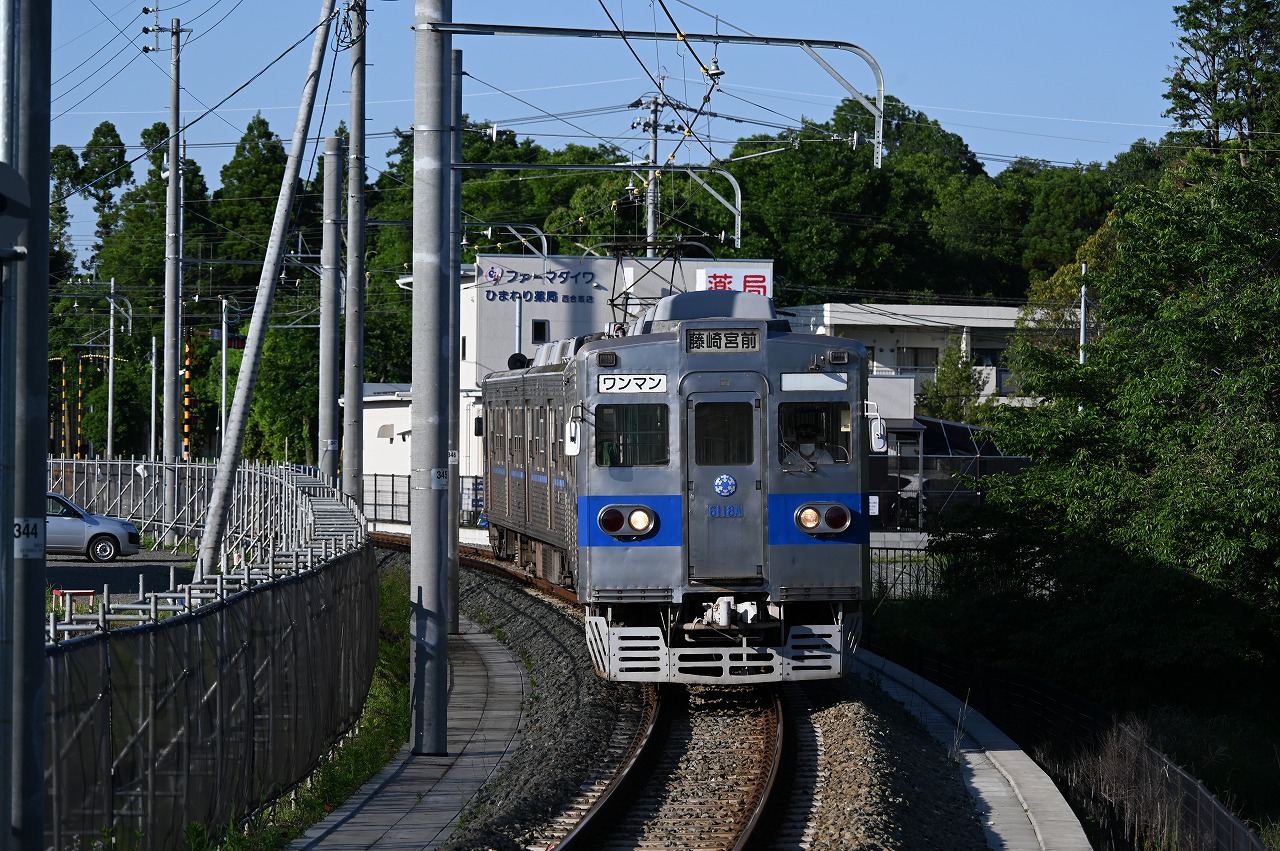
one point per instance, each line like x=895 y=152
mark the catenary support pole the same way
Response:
x=237 y=420
x=651 y=191
x=9 y=127
x=330 y=284
x=31 y=412
x=453 y=292
x=353 y=382
x=432 y=348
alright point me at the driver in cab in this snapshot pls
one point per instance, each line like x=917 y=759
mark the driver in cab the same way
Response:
x=807 y=450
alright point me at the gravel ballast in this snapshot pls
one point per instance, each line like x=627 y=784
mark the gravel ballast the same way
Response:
x=886 y=783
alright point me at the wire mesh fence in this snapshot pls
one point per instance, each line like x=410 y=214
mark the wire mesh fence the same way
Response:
x=270 y=510
x=386 y=499
x=197 y=705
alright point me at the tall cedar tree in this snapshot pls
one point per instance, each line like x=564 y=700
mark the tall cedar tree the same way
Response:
x=1226 y=83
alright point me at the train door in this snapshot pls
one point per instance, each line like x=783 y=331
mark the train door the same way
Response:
x=519 y=463
x=724 y=486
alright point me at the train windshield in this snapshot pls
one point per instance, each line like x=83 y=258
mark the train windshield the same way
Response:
x=816 y=431
x=632 y=436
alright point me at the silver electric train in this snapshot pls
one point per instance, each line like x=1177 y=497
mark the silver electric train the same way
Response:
x=699 y=478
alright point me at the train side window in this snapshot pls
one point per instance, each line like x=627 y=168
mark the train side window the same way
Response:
x=632 y=436
x=724 y=433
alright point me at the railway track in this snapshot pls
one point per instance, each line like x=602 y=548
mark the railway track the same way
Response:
x=702 y=781
x=686 y=767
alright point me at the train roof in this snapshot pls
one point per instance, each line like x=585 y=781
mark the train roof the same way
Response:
x=704 y=304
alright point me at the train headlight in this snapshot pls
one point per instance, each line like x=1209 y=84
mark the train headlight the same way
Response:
x=640 y=520
x=627 y=521
x=821 y=518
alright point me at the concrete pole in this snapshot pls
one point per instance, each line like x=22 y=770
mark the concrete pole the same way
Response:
x=353 y=381
x=222 y=405
x=1084 y=306
x=432 y=349
x=111 y=372
x=26 y=689
x=151 y=439
x=330 y=284
x=651 y=196
x=238 y=419
x=9 y=127
x=172 y=295
x=453 y=293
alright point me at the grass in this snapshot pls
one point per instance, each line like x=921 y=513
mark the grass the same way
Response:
x=381 y=732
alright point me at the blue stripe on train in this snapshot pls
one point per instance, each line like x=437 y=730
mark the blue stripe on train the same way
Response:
x=670 y=510
x=784 y=531
x=668 y=533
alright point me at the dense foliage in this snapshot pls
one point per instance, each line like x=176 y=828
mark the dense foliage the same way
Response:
x=930 y=222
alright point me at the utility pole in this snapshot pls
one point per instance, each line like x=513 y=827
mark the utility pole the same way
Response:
x=172 y=285
x=111 y=371
x=330 y=283
x=1084 y=306
x=222 y=404
x=353 y=380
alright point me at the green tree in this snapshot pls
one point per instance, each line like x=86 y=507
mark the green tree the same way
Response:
x=282 y=420
x=64 y=177
x=1166 y=443
x=955 y=390
x=104 y=169
x=1226 y=82
x=242 y=209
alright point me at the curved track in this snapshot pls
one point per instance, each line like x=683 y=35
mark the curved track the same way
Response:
x=702 y=781
x=690 y=768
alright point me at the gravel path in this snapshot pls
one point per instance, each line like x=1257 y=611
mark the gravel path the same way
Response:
x=885 y=782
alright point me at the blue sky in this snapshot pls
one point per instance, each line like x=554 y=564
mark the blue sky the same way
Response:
x=1063 y=82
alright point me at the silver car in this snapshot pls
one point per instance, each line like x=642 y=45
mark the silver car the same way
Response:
x=70 y=530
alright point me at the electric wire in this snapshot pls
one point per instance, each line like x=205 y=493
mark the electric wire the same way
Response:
x=202 y=115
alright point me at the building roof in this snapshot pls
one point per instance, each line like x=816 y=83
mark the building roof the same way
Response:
x=903 y=315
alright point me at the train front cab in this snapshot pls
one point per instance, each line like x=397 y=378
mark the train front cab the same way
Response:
x=763 y=580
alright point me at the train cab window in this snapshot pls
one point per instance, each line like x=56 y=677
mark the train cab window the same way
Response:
x=724 y=433
x=815 y=430
x=632 y=436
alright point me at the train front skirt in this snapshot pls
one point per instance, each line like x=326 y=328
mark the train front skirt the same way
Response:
x=641 y=654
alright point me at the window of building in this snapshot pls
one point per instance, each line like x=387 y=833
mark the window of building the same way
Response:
x=986 y=357
x=541 y=331
x=923 y=358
